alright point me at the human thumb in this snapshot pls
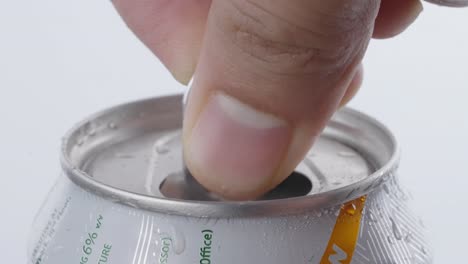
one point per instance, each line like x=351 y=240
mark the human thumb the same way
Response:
x=269 y=76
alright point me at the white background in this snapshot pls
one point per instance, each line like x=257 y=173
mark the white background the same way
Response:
x=62 y=60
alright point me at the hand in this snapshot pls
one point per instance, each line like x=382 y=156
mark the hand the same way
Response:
x=268 y=75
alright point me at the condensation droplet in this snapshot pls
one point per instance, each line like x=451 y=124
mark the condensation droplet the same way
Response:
x=395 y=230
x=423 y=250
x=350 y=209
x=179 y=241
x=161 y=147
x=89 y=129
x=346 y=154
x=408 y=237
x=385 y=187
x=80 y=142
x=387 y=177
x=121 y=155
x=112 y=125
x=371 y=216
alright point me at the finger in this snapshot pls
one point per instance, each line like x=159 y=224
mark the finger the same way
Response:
x=172 y=30
x=354 y=86
x=395 y=16
x=270 y=75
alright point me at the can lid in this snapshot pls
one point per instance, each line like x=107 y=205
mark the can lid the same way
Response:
x=132 y=153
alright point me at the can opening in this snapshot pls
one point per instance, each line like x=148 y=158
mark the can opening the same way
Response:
x=297 y=184
x=183 y=186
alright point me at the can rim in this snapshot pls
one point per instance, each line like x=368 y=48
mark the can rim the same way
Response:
x=228 y=209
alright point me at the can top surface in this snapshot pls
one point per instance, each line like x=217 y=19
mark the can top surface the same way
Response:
x=132 y=154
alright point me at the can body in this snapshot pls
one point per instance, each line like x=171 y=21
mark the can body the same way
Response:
x=107 y=206
x=76 y=226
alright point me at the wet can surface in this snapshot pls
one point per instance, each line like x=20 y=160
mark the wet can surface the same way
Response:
x=125 y=198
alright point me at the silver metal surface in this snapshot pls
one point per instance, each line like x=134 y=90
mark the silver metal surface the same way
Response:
x=126 y=153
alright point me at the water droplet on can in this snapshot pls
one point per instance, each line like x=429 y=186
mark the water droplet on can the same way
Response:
x=389 y=239
x=89 y=129
x=395 y=230
x=161 y=147
x=112 y=125
x=423 y=250
x=385 y=187
x=408 y=237
x=179 y=241
x=80 y=141
x=346 y=154
x=350 y=209
x=120 y=155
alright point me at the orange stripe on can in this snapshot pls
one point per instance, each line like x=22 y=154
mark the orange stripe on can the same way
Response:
x=343 y=239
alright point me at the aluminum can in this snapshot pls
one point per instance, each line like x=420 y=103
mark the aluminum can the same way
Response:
x=124 y=197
